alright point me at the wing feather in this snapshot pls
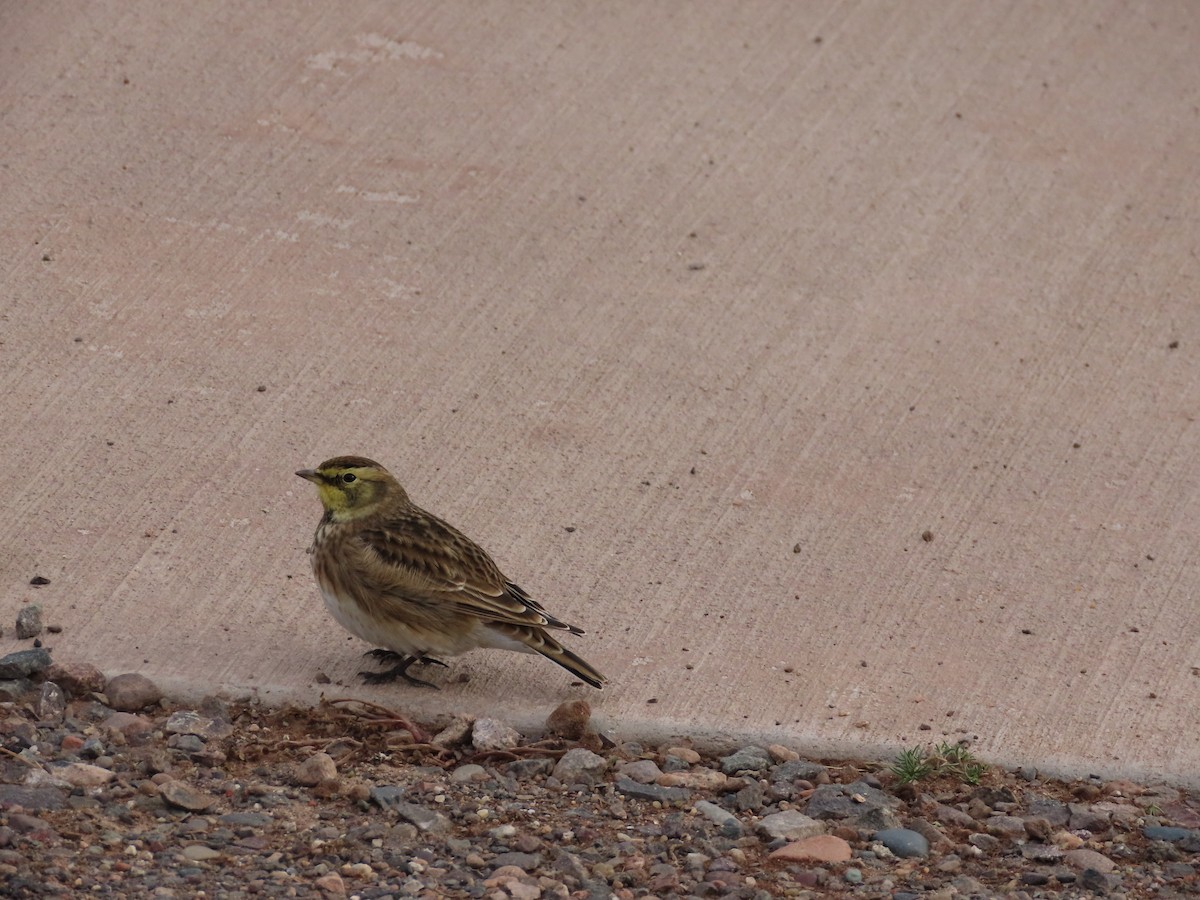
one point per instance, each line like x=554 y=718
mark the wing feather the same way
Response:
x=418 y=557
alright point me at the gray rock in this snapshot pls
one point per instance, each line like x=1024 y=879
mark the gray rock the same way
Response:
x=426 y=820
x=492 y=734
x=675 y=764
x=1167 y=833
x=1098 y=882
x=1083 y=858
x=730 y=827
x=245 y=820
x=387 y=796
x=580 y=766
x=132 y=692
x=1053 y=811
x=847 y=801
x=631 y=788
x=32 y=799
x=1005 y=827
x=188 y=743
x=904 y=842
x=199 y=853
x=749 y=798
x=178 y=793
x=51 y=703
x=876 y=818
x=522 y=769
x=643 y=771
x=749 y=759
x=789 y=825
x=468 y=772
x=24 y=663
x=1088 y=818
x=456 y=732
x=936 y=838
x=527 y=861
x=1043 y=853
x=985 y=842
x=967 y=887
x=797 y=768
x=186 y=721
x=12 y=690
x=29 y=621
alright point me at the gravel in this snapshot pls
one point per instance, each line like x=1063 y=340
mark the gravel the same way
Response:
x=350 y=799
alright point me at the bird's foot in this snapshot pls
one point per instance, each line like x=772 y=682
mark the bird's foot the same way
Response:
x=400 y=670
x=384 y=655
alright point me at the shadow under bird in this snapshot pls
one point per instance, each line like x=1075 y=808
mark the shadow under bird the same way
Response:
x=415 y=586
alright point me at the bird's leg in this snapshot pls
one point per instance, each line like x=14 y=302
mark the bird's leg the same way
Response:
x=384 y=655
x=400 y=670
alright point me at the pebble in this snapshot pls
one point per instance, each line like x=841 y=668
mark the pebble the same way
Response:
x=387 y=796
x=32 y=797
x=77 y=679
x=426 y=820
x=569 y=720
x=129 y=725
x=580 y=766
x=51 y=703
x=184 y=796
x=1089 y=818
x=801 y=769
x=469 y=772
x=1165 y=833
x=643 y=771
x=492 y=734
x=453 y=734
x=84 y=775
x=752 y=760
x=187 y=721
x=727 y=822
x=132 y=692
x=905 y=842
x=782 y=754
x=1005 y=827
x=29 y=622
x=949 y=815
x=700 y=778
x=1083 y=858
x=822 y=848
x=331 y=884
x=199 y=853
x=687 y=754
x=631 y=788
x=315 y=769
x=790 y=825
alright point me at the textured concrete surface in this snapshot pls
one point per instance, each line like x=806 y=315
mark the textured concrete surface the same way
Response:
x=749 y=296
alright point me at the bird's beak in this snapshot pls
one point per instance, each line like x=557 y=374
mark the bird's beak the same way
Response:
x=309 y=474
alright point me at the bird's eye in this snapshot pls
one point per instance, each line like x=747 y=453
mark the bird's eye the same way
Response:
x=348 y=477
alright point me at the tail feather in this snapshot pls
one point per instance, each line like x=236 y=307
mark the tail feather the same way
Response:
x=537 y=640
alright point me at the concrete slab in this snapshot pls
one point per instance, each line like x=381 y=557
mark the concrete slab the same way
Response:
x=833 y=365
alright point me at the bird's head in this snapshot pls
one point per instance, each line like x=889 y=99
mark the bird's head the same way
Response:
x=353 y=487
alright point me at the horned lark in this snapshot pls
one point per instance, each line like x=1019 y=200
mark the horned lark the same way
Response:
x=414 y=586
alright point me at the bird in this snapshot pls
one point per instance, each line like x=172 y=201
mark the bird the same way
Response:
x=414 y=585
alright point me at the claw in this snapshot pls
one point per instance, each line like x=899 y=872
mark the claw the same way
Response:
x=400 y=670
